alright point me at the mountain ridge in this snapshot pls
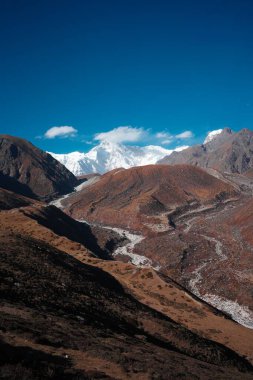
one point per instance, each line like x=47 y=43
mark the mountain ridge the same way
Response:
x=227 y=151
x=108 y=156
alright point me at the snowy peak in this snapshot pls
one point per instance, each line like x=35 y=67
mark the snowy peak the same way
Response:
x=216 y=133
x=108 y=156
x=211 y=135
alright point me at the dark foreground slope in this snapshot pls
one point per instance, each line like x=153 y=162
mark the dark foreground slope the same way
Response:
x=81 y=318
x=227 y=152
x=65 y=319
x=29 y=171
x=9 y=200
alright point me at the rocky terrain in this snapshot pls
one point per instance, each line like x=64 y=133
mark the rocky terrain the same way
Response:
x=183 y=222
x=210 y=252
x=66 y=314
x=29 y=171
x=146 y=197
x=226 y=152
x=131 y=291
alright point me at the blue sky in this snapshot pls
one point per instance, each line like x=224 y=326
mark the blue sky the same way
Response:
x=155 y=67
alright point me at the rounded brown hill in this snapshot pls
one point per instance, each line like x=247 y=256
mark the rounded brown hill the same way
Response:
x=29 y=171
x=133 y=197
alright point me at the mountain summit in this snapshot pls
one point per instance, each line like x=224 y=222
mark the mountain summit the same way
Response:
x=212 y=135
x=225 y=151
x=108 y=156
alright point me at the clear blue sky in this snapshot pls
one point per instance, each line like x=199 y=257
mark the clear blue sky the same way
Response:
x=98 y=64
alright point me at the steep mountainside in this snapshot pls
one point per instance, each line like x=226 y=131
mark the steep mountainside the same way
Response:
x=68 y=315
x=225 y=152
x=29 y=171
x=183 y=222
x=108 y=156
x=143 y=196
x=209 y=251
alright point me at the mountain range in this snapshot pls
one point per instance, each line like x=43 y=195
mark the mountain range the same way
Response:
x=222 y=150
x=108 y=156
x=138 y=273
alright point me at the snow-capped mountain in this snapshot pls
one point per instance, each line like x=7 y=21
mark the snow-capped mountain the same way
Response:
x=212 y=135
x=108 y=156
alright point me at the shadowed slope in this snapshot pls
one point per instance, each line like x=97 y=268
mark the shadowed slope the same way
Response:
x=53 y=303
x=29 y=171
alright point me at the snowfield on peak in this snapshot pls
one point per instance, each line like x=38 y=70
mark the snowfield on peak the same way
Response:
x=211 y=135
x=108 y=156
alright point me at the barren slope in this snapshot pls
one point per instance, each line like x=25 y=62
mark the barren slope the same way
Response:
x=143 y=196
x=53 y=305
x=184 y=226
x=72 y=318
x=227 y=152
x=29 y=171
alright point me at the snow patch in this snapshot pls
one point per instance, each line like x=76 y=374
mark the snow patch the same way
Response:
x=197 y=277
x=211 y=135
x=127 y=250
x=89 y=182
x=108 y=156
x=240 y=314
x=218 y=247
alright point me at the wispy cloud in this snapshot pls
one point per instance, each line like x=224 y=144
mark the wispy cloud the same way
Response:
x=122 y=134
x=185 y=135
x=162 y=135
x=164 y=138
x=166 y=142
x=128 y=134
x=62 y=131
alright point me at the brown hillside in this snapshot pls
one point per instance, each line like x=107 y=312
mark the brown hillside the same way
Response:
x=29 y=171
x=145 y=195
x=65 y=314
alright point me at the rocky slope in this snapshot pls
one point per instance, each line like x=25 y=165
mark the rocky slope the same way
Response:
x=183 y=222
x=68 y=315
x=225 y=152
x=210 y=252
x=29 y=171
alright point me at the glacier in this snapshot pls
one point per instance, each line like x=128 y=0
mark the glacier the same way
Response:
x=108 y=156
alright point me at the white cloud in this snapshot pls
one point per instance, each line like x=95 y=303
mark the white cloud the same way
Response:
x=185 y=135
x=167 y=137
x=162 y=135
x=168 y=141
x=122 y=134
x=63 y=131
